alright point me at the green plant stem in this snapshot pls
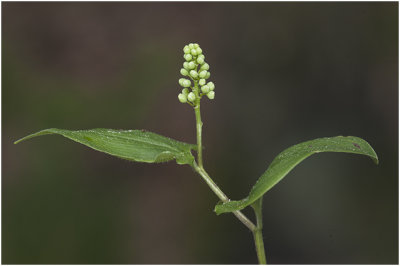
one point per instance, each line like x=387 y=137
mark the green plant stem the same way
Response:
x=256 y=230
x=221 y=195
x=200 y=170
x=257 y=233
x=199 y=125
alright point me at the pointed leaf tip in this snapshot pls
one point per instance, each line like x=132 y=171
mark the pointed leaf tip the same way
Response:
x=289 y=158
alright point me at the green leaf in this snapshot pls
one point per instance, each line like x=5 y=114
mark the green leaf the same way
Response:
x=291 y=157
x=133 y=145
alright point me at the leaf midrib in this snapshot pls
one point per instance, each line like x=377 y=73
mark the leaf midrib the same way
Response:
x=141 y=140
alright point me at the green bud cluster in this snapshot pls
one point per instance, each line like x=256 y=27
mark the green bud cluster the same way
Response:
x=196 y=69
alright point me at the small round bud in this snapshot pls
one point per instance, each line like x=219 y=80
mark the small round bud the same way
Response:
x=191 y=97
x=182 y=98
x=184 y=72
x=202 y=82
x=199 y=50
x=202 y=56
x=205 y=89
x=203 y=74
x=188 y=57
x=193 y=73
x=191 y=65
x=205 y=66
x=211 y=95
x=185 y=91
x=196 y=45
x=191 y=45
x=208 y=75
x=186 y=83
x=211 y=85
x=186 y=49
x=186 y=65
x=200 y=60
x=193 y=52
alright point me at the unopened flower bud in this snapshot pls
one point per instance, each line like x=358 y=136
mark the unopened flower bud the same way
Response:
x=193 y=52
x=193 y=74
x=191 y=97
x=211 y=95
x=200 y=60
x=202 y=82
x=184 y=72
x=191 y=65
x=199 y=50
x=186 y=49
x=186 y=65
x=205 y=66
x=185 y=91
x=182 y=98
x=186 y=83
x=208 y=75
x=203 y=74
x=211 y=85
x=196 y=45
x=188 y=57
x=205 y=89
x=191 y=45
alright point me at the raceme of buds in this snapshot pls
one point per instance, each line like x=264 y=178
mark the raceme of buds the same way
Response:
x=195 y=68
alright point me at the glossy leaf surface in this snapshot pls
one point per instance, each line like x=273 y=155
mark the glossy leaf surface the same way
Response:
x=133 y=145
x=291 y=157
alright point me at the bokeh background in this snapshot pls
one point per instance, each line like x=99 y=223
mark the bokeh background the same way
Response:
x=284 y=73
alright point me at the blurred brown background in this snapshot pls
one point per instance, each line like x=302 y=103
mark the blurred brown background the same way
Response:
x=284 y=73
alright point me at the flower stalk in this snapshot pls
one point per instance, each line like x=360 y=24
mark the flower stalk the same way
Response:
x=196 y=69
